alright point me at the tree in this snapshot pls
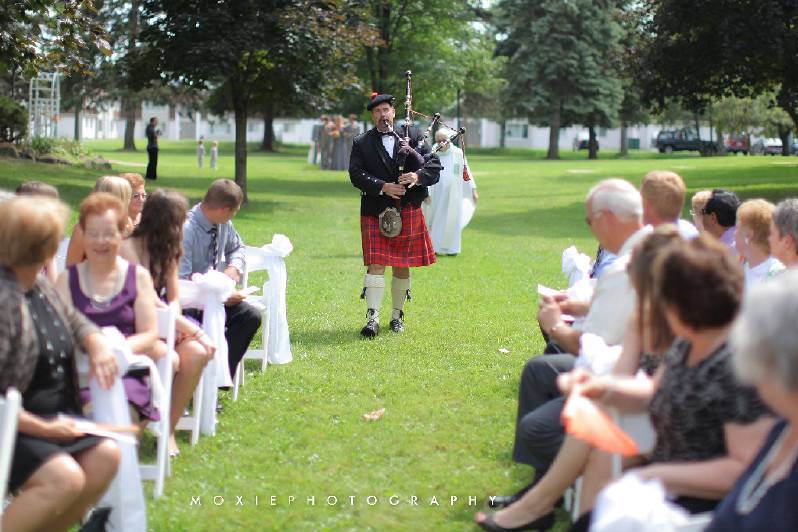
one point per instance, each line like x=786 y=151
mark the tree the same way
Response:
x=561 y=64
x=698 y=51
x=239 y=44
x=37 y=34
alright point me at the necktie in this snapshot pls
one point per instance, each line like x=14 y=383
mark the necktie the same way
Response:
x=214 y=232
x=596 y=264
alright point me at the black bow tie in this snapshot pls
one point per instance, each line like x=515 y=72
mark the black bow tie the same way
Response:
x=386 y=133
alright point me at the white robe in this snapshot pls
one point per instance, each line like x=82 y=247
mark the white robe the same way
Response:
x=452 y=206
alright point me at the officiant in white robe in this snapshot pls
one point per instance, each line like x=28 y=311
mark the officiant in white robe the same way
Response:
x=452 y=200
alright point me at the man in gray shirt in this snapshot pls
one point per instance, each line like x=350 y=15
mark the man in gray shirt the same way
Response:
x=211 y=242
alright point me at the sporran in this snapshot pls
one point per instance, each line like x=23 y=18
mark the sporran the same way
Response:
x=390 y=222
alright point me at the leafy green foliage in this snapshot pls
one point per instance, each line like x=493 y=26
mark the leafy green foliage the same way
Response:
x=697 y=51
x=562 y=61
x=35 y=34
x=13 y=120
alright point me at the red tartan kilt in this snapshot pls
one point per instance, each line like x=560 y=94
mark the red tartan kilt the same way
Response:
x=412 y=247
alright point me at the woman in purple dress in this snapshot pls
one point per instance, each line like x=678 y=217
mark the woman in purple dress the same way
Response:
x=110 y=291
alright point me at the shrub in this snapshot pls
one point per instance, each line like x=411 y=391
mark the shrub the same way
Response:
x=42 y=145
x=13 y=120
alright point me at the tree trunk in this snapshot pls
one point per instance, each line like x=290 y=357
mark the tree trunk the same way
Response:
x=240 y=109
x=624 y=139
x=503 y=136
x=784 y=135
x=592 y=146
x=554 y=135
x=721 y=146
x=78 y=108
x=697 y=125
x=129 y=110
x=268 y=128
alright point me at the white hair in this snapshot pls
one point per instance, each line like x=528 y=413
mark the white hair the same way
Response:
x=448 y=132
x=764 y=339
x=617 y=196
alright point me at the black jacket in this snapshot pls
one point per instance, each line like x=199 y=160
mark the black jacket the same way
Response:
x=370 y=167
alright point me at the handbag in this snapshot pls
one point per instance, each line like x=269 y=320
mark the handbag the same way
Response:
x=391 y=221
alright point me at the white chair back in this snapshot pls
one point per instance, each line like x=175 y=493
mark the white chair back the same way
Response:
x=61 y=254
x=166 y=319
x=9 y=416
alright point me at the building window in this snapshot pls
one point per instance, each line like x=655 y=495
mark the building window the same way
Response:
x=517 y=131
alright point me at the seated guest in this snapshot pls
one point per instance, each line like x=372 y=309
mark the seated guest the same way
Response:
x=57 y=472
x=784 y=232
x=614 y=215
x=137 y=198
x=157 y=244
x=765 y=354
x=209 y=236
x=697 y=203
x=646 y=339
x=111 y=184
x=663 y=201
x=719 y=216
x=110 y=291
x=708 y=425
x=752 y=241
x=38 y=188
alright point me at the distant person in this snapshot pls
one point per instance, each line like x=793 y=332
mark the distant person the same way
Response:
x=443 y=209
x=697 y=203
x=200 y=153
x=784 y=232
x=754 y=218
x=214 y=154
x=137 y=198
x=663 y=200
x=39 y=188
x=152 y=148
x=719 y=216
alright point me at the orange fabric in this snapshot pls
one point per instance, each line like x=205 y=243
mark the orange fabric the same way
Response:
x=584 y=420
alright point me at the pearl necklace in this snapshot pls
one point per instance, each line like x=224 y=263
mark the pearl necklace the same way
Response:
x=97 y=301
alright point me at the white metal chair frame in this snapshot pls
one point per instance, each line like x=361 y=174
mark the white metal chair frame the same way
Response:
x=254 y=262
x=10 y=407
x=158 y=471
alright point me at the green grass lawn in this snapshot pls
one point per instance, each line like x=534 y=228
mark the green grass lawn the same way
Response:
x=449 y=393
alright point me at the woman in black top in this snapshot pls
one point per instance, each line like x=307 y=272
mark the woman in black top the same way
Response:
x=57 y=472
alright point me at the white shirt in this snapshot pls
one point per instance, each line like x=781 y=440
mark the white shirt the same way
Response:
x=757 y=274
x=389 y=141
x=686 y=229
x=614 y=298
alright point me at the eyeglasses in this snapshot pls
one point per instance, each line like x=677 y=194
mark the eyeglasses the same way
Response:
x=92 y=235
x=140 y=195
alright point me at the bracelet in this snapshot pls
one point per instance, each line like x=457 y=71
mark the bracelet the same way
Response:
x=556 y=326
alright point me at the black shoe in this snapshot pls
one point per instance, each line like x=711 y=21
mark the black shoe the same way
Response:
x=372 y=328
x=97 y=521
x=500 y=501
x=541 y=523
x=397 y=324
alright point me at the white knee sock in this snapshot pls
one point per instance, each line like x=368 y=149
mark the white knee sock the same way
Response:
x=375 y=288
x=399 y=288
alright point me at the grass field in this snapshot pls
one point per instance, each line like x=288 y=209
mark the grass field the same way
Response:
x=449 y=393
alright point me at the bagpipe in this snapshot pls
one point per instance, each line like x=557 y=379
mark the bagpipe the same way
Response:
x=406 y=150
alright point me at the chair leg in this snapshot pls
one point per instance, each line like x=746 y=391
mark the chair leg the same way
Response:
x=237 y=380
x=197 y=411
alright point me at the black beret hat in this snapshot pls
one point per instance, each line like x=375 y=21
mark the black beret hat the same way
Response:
x=377 y=99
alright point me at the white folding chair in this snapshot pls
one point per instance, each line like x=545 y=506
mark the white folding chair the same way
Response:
x=255 y=261
x=9 y=416
x=61 y=254
x=158 y=471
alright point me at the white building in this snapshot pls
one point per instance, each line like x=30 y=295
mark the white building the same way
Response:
x=178 y=123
